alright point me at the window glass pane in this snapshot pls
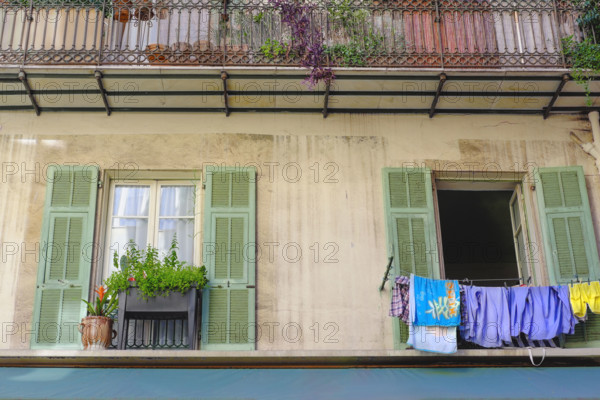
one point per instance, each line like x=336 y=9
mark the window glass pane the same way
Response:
x=131 y=201
x=126 y=229
x=176 y=201
x=184 y=229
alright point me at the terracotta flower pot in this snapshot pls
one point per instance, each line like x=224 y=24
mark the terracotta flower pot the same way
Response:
x=156 y=53
x=96 y=332
x=121 y=10
x=143 y=10
x=180 y=53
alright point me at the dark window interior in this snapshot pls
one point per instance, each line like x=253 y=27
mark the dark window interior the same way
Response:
x=477 y=236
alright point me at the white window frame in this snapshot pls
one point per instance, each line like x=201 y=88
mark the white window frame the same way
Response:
x=153 y=216
x=477 y=182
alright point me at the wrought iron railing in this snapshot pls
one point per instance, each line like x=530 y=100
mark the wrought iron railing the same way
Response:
x=356 y=33
x=156 y=334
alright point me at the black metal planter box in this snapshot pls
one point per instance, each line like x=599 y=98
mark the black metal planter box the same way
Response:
x=173 y=306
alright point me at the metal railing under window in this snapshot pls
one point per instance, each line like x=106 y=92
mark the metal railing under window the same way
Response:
x=375 y=33
x=156 y=334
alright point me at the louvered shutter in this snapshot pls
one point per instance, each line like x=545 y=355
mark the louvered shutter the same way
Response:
x=228 y=311
x=411 y=222
x=569 y=239
x=66 y=256
x=566 y=220
x=411 y=229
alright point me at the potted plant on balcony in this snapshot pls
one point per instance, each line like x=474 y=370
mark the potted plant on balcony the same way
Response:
x=96 y=329
x=150 y=287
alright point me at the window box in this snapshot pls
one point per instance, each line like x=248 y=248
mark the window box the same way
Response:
x=173 y=306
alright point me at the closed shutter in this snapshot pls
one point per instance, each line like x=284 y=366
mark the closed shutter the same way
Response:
x=411 y=231
x=228 y=311
x=66 y=256
x=569 y=239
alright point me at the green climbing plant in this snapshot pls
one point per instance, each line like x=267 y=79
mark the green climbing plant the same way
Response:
x=585 y=55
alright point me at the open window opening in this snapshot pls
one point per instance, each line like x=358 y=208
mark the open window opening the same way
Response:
x=477 y=234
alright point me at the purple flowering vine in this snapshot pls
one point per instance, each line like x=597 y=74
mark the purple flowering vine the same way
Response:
x=307 y=40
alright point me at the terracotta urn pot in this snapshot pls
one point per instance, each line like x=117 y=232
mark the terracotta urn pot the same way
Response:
x=121 y=10
x=96 y=332
x=157 y=53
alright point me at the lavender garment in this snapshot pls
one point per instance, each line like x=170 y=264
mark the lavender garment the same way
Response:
x=400 y=293
x=487 y=318
x=541 y=313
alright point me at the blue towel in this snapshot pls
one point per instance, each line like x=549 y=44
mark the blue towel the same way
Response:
x=437 y=302
x=438 y=339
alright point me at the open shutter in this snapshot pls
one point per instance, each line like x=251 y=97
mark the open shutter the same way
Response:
x=411 y=232
x=410 y=221
x=569 y=239
x=66 y=256
x=228 y=307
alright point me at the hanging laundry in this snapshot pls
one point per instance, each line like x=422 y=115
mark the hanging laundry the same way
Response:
x=426 y=299
x=437 y=302
x=400 y=292
x=436 y=339
x=487 y=321
x=542 y=312
x=583 y=295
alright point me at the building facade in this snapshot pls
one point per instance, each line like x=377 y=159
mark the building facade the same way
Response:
x=457 y=147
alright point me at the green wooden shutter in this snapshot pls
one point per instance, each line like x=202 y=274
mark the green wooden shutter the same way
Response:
x=411 y=229
x=228 y=309
x=66 y=256
x=569 y=239
x=566 y=220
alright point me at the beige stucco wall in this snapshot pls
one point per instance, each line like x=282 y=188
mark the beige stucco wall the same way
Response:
x=319 y=186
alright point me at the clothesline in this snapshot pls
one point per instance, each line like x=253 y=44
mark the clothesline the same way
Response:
x=489 y=316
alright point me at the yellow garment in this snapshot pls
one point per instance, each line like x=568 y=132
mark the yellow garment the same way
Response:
x=592 y=296
x=584 y=294
x=577 y=303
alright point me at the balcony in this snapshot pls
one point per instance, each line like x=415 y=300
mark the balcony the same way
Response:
x=356 y=33
x=423 y=56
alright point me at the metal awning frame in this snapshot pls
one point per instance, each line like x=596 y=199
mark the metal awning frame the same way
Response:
x=98 y=76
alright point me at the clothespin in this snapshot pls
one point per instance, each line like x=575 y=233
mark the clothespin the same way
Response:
x=528 y=281
x=505 y=285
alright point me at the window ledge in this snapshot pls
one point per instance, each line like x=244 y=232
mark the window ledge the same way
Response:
x=287 y=358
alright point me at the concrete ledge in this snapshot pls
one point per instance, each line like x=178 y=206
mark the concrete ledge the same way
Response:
x=295 y=359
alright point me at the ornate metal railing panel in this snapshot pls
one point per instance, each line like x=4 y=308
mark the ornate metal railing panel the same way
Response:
x=156 y=334
x=356 y=33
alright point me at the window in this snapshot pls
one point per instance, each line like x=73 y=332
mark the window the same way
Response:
x=425 y=228
x=153 y=213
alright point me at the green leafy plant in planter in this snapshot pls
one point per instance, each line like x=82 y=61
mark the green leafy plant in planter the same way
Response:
x=274 y=49
x=361 y=43
x=154 y=276
x=585 y=55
